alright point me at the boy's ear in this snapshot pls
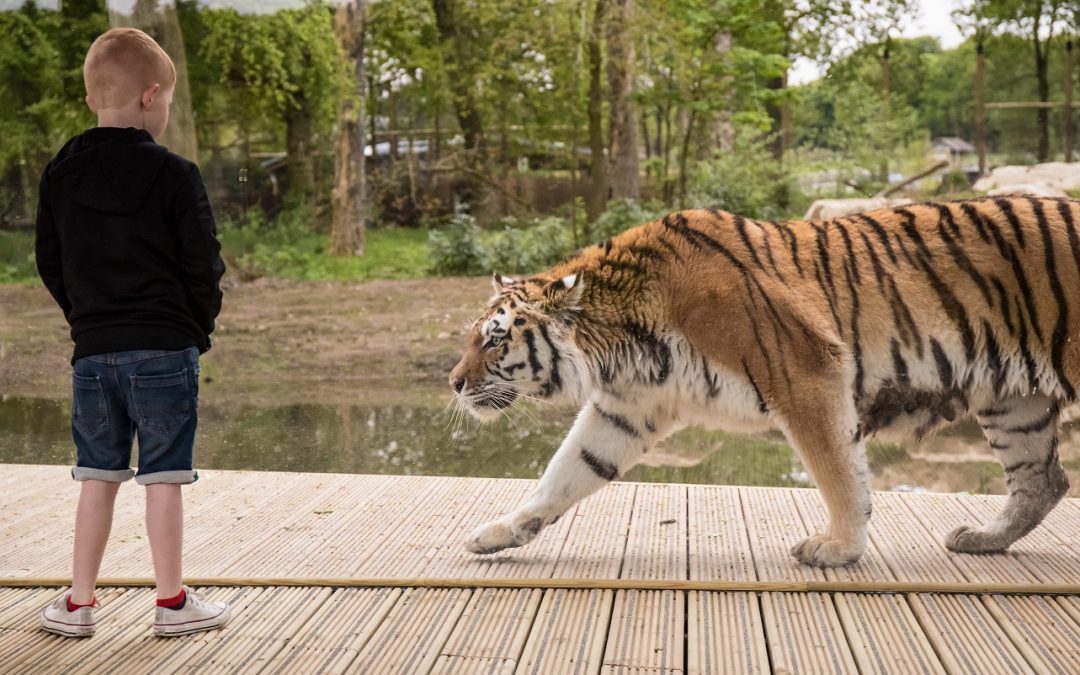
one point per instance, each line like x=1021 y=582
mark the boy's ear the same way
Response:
x=564 y=294
x=90 y=103
x=148 y=95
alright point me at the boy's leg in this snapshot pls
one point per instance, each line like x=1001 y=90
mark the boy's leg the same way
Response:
x=165 y=529
x=93 y=521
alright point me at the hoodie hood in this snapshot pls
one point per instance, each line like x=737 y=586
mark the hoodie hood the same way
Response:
x=108 y=169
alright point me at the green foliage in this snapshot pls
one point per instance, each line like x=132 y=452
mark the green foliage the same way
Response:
x=17 y=258
x=749 y=182
x=623 y=214
x=288 y=247
x=462 y=247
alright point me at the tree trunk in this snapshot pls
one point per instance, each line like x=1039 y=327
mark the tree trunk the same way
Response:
x=456 y=44
x=622 y=128
x=299 y=167
x=596 y=199
x=723 y=128
x=161 y=23
x=1042 y=77
x=684 y=157
x=347 y=230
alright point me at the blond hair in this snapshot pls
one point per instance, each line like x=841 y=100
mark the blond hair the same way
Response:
x=122 y=63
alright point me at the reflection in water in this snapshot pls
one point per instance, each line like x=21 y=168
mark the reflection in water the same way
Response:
x=417 y=440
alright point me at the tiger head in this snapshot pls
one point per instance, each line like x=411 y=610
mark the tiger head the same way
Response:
x=521 y=347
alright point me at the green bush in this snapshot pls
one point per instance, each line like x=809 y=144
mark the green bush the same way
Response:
x=623 y=214
x=17 y=264
x=749 y=182
x=516 y=247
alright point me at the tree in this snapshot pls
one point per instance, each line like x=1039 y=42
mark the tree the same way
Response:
x=622 y=128
x=1037 y=19
x=596 y=198
x=347 y=230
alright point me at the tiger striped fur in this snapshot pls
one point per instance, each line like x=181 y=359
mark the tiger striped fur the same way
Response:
x=896 y=320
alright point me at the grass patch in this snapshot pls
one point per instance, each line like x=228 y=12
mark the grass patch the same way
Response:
x=17 y=264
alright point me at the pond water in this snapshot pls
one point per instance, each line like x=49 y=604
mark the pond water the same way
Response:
x=424 y=441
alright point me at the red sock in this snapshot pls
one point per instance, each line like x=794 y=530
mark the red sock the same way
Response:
x=174 y=602
x=72 y=606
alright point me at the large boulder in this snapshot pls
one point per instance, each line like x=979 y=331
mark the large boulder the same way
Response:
x=1047 y=180
x=824 y=209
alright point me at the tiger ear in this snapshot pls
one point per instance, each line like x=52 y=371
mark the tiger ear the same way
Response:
x=499 y=282
x=565 y=293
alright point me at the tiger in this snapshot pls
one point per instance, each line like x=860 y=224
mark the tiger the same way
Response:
x=889 y=323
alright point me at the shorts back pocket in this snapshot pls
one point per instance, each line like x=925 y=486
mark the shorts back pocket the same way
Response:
x=162 y=402
x=88 y=410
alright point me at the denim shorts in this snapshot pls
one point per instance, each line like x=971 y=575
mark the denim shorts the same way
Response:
x=148 y=392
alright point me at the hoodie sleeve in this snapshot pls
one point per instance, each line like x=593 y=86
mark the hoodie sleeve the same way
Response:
x=47 y=248
x=200 y=252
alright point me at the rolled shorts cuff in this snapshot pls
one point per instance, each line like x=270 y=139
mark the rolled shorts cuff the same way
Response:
x=178 y=477
x=109 y=476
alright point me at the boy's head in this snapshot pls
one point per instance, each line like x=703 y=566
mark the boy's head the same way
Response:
x=125 y=67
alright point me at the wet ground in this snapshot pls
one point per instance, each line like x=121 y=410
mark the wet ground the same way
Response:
x=351 y=377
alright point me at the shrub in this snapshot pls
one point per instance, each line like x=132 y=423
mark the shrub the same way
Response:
x=749 y=182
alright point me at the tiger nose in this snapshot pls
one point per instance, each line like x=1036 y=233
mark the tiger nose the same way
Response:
x=458 y=383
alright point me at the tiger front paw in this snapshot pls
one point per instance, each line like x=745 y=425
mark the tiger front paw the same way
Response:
x=501 y=534
x=821 y=551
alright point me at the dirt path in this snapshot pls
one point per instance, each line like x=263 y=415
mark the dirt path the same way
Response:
x=282 y=341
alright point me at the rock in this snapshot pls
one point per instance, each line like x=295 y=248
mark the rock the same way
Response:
x=823 y=209
x=1052 y=179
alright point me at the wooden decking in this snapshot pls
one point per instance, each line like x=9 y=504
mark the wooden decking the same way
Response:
x=304 y=526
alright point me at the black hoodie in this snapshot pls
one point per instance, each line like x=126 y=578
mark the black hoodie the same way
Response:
x=126 y=244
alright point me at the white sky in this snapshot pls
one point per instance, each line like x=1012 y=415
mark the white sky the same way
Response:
x=934 y=19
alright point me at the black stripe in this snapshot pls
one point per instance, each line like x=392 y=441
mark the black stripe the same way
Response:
x=1006 y=207
x=1070 y=228
x=976 y=219
x=822 y=237
x=828 y=297
x=1029 y=361
x=1039 y=424
x=1006 y=310
x=993 y=357
x=964 y=263
x=881 y=234
x=617 y=421
x=855 y=344
x=1061 y=328
x=875 y=263
x=554 y=382
x=911 y=231
x=761 y=399
x=602 y=468
x=945 y=214
x=768 y=251
x=793 y=243
x=903 y=318
x=852 y=261
x=670 y=247
x=993 y=412
x=953 y=308
x=944 y=368
x=998 y=446
x=740 y=227
x=712 y=380
x=899 y=365
x=678 y=224
x=534 y=362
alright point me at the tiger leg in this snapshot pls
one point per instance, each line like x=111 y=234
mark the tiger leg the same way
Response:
x=603 y=443
x=837 y=463
x=1024 y=435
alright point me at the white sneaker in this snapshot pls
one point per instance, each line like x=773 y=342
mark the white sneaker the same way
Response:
x=196 y=615
x=56 y=618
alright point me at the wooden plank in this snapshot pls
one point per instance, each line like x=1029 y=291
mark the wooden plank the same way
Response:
x=656 y=542
x=774 y=526
x=568 y=634
x=1041 y=629
x=491 y=633
x=941 y=514
x=646 y=632
x=884 y=635
x=597 y=538
x=965 y=636
x=718 y=546
x=725 y=634
x=804 y=634
x=910 y=551
x=870 y=567
x=412 y=636
x=331 y=640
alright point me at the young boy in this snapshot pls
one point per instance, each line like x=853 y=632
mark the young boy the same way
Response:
x=126 y=244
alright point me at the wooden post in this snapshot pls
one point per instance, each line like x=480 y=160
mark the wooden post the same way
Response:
x=1070 y=133
x=980 y=106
